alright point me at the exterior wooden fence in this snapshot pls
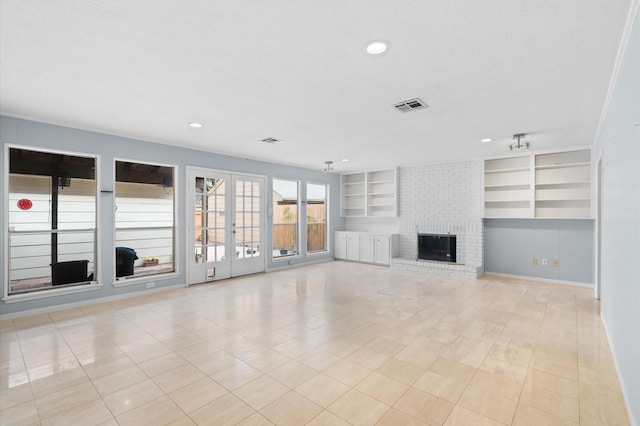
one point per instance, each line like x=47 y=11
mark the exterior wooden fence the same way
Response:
x=284 y=236
x=284 y=231
x=316 y=236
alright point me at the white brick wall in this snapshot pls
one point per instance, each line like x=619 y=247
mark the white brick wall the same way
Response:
x=442 y=198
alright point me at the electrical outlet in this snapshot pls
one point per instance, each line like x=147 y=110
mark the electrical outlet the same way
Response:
x=534 y=261
x=151 y=285
x=555 y=263
x=545 y=261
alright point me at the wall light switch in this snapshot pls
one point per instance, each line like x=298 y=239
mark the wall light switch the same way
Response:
x=534 y=261
x=544 y=261
x=555 y=263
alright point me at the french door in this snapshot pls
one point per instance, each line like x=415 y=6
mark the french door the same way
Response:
x=226 y=225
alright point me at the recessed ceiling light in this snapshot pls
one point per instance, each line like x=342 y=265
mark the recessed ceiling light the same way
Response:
x=377 y=47
x=344 y=160
x=485 y=140
x=195 y=124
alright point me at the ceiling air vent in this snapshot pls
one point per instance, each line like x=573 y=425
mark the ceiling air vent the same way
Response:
x=410 y=105
x=271 y=140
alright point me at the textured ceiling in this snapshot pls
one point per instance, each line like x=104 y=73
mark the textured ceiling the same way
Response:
x=296 y=71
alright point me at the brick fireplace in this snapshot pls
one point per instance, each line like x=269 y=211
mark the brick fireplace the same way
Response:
x=442 y=199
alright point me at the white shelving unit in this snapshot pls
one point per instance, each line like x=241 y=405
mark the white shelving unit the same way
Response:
x=354 y=194
x=555 y=185
x=563 y=184
x=507 y=187
x=382 y=193
x=371 y=193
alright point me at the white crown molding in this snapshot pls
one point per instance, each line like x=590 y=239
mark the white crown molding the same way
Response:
x=622 y=48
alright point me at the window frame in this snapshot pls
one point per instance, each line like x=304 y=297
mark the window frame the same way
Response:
x=133 y=279
x=298 y=253
x=97 y=238
x=326 y=218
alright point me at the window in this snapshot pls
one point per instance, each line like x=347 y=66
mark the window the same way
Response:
x=144 y=219
x=316 y=217
x=52 y=220
x=285 y=218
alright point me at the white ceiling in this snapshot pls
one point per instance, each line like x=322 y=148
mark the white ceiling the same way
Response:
x=296 y=71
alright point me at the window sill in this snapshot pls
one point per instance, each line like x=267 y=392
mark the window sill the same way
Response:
x=286 y=258
x=43 y=294
x=317 y=253
x=144 y=279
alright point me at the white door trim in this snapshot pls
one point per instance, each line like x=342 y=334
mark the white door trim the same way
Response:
x=188 y=241
x=598 y=229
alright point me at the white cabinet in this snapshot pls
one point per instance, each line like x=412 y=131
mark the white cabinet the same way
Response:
x=353 y=247
x=555 y=185
x=365 y=247
x=371 y=193
x=382 y=249
x=340 y=245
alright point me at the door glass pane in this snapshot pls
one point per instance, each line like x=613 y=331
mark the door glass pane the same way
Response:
x=209 y=219
x=215 y=220
x=247 y=210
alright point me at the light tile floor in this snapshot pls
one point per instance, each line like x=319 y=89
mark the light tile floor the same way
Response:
x=327 y=344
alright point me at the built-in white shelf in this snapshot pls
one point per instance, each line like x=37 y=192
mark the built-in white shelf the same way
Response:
x=565 y=184
x=509 y=186
x=517 y=169
x=554 y=185
x=372 y=193
x=563 y=166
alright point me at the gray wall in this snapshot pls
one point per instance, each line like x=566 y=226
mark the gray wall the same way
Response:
x=108 y=147
x=511 y=244
x=619 y=143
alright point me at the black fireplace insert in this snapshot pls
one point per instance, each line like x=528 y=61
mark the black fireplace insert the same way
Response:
x=439 y=247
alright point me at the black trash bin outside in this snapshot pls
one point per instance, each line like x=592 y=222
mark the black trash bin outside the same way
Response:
x=125 y=257
x=74 y=271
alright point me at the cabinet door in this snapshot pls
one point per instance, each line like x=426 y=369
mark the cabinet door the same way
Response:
x=340 y=246
x=353 y=247
x=382 y=250
x=366 y=248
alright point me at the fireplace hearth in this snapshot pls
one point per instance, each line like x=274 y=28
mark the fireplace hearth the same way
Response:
x=437 y=247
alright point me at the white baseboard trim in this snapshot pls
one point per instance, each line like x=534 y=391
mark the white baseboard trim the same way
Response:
x=295 y=265
x=627 y=403
x=56 y=308
x=545 y=280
